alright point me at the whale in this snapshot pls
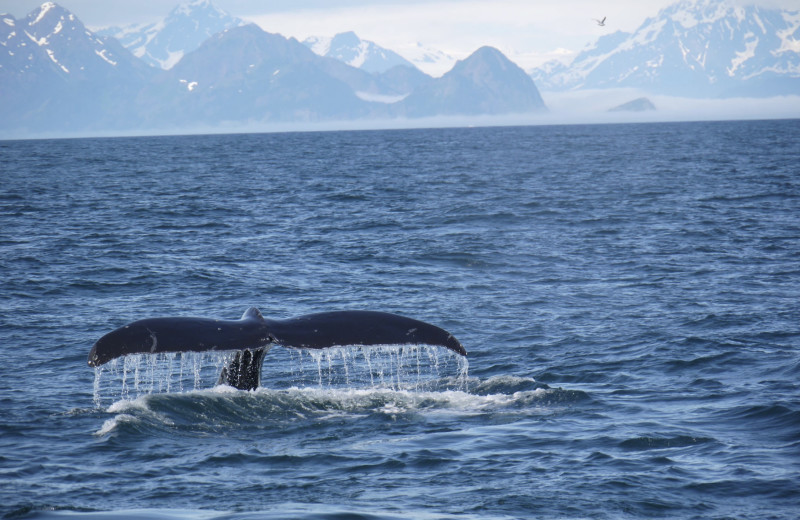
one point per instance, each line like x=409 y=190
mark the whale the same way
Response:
x=252 y=336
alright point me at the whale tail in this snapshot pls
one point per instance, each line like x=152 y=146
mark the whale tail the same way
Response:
x=252 y=336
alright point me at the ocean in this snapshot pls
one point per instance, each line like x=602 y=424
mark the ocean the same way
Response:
x=629 y=297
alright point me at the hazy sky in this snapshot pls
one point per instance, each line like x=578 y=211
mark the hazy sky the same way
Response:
x=529 y=31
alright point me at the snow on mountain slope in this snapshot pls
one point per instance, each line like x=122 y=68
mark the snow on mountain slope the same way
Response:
x=369 y=56
x=430 y=61
x=693 y=48
x=52 y=39
x=55 y=74
x=163 y=43
x=354 y=51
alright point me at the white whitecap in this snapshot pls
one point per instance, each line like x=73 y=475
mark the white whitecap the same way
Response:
x=111 y=424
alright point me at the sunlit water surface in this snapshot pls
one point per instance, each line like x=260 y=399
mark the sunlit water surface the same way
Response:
x=628 y=295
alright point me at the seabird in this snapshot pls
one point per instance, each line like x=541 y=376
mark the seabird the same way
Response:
x=601 y=23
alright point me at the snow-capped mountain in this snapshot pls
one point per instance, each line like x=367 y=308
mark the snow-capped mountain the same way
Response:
x=53 y=33
x=354 y=51
x=427 y=59
x=57 y=77
x=369 y=56
x=703 y=48
x=163 y=43
x=51 y=65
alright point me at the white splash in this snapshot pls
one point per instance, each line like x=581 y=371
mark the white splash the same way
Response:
x=406 y=368
x=130 y=377
x=110 y=424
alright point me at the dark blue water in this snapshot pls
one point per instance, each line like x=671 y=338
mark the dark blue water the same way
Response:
x=628 y=295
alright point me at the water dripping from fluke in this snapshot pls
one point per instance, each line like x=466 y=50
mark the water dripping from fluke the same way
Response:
x=385 y=367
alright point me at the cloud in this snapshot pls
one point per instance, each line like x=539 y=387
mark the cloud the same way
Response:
x=530 y=31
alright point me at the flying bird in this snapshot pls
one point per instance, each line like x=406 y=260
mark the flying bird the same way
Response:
x=601 y=23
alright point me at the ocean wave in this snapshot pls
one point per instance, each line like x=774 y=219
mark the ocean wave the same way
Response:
x=293 y=511
x=111 y=424
x=643 y=443
x=223 y=406
x=631 y=327
x=782 y=420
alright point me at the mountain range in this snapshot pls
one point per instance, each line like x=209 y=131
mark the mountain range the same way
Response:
x=701 y=49
x=354 y=51
x=370 y=56
x=200 y=66
x=58 y=76
x=692 y=48
x=164 y=42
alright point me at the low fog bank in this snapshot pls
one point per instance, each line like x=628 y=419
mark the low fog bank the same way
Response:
x=593 y=106
x=564 y=108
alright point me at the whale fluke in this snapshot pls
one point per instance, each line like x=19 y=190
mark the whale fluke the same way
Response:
x=252 y=336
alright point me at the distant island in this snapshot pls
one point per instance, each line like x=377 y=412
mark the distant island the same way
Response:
x=641 y=104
